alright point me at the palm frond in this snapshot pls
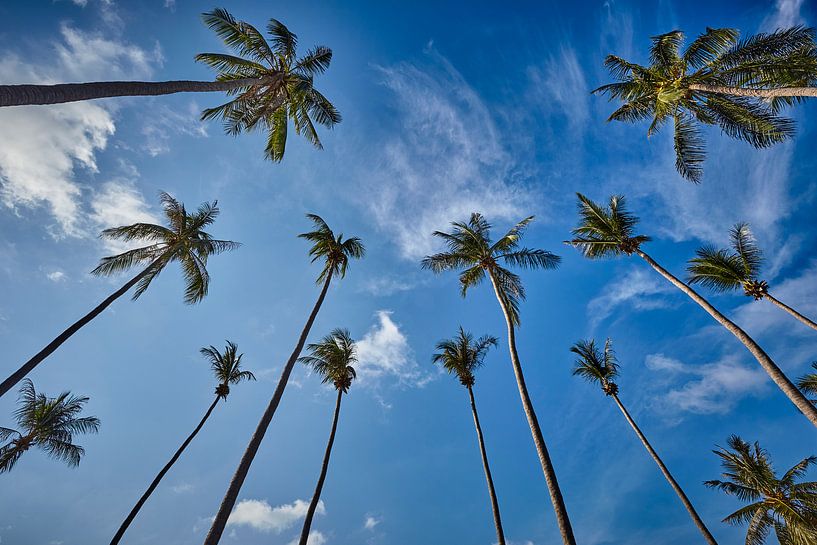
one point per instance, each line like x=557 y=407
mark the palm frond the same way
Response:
x=716 y=269
x=746 y=247
x=709 y=46
x=689 y=148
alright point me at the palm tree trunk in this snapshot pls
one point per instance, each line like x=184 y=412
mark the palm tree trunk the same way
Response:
x=500 y=535
x=756 y=93
x=667 y=475
x=230 y=497
x=541 y=449
x=791 y=311
x=132 y=515
x=310 y=513
x=771 y=368
x=35 y=360
x=22 y=95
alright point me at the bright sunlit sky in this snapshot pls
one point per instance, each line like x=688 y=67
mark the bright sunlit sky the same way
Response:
x=447 y=110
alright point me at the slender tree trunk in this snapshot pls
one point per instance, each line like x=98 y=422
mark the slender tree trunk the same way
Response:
x=316 y=497
x=771 y=368
x=35 y=360
x=757 y=93
x=791 y=311
x=500 y=535
x=22 y=95
x=544 y=458
x=136 y=508
x=230 y=497
x=667 y=475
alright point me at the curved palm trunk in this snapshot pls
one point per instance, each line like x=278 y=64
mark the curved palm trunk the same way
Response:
x=544 y=458
x=757 y=93
x=310 y=513
x=791 y=311
x=35 y=360
x=771 y=368
x=136 y=508
x=230 y=497
x=500 y=535
x=667 y=475
x=22 y=95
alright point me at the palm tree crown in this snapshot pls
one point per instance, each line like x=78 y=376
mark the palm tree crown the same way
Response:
x=785 y=505
x=724 y=270
x=182 y=240
x=596 y=365
x=694 y=87
x=332 y=249
x=808 y=383
x=226 y=367
x=284 y=90
x=48 y=423
x=470 y=248
x=606 y=231
x=332 y=359
x=461 y=356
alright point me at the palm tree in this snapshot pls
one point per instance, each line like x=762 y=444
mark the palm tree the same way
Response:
x=48 y=423
x=724 y=270
x=227 y=369
x=600 y=366
x=609 y=231
x=808 y=383
x=270 y=83
x=738 y=85
x=183 y=240
x=785 y=505
x=461 y=356
x=471 y=252
x=332 y=359
x=335 y=252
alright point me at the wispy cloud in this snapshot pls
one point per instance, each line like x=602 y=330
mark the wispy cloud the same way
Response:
x=383 y=286
x=638 y=288
x=384 y=353
x=706 y=388
x=119 y=203
x=261 y=516
x=559 y=88
x=159 y=128
x=786 y=14
x=445 y=161
x=371 y=522
x=55 y=276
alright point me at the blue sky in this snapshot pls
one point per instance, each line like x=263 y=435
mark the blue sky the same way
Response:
x=446 y=110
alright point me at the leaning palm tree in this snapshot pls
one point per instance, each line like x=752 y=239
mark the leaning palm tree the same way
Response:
x=808 y=383
x=332 y=359
x=725 y=270
x=226 y=367
x=461 y=356
x=270 y=83
x=48 y=423
x=600 y=366
x=335 y=252
x=471 y=252
x=609 y=231
x=781 y=504
x=183 y=240
x=738 y=85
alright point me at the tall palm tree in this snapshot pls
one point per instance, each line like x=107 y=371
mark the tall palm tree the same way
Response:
x=270 y=83
x=609 y=231
x=600 y=366
x=725 y=270
x=332 y=359
x=461 y=356
x=226 y=367
x=335 y=252
x=781 y=504
x=738 y=85
x=48 y=423
x=808 y=383
x=183 y=240
x=472 y=253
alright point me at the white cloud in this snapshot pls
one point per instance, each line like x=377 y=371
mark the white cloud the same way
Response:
x=56 y=276
x=259 y=515
x=447 y=156
x=43 y=146
x=182 y=488
x=159 y=128
x=119 y=203
x=639 y=288
x=560 y=88
x=384 y=352
x=786 y=14
x=711 y=388
x=371 y=522
x=315 y=538
x=386 y=285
